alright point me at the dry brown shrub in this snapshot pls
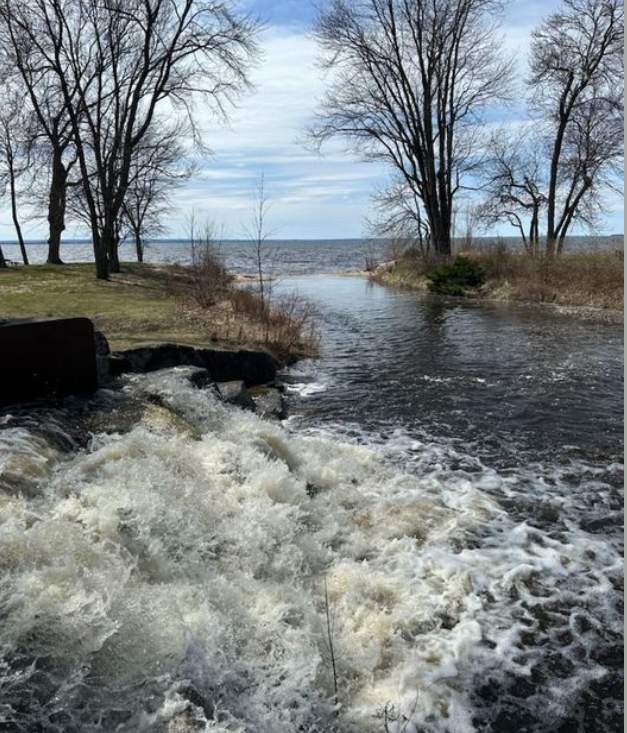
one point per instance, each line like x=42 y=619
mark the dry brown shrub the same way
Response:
x=288 y=327
x=209 y=278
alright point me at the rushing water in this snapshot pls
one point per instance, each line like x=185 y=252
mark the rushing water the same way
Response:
x=439 y=520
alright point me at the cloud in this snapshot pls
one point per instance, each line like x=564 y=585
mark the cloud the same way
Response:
x=265 y=134
x=311 y=195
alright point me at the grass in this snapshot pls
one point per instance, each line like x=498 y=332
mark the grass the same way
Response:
x=591 y=280
x=144 y=304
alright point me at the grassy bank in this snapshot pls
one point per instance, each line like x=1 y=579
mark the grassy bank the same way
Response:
x=147 y=304
x=590 y=280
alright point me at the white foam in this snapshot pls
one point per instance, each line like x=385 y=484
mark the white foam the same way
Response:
x=159 y=560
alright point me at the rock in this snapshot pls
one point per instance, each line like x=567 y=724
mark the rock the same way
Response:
x=197 y=376
x=45 y=358
x=102 y=357
x=235 y=393
x=270 y=403
x=251 y=367
x=117 y=365
x=102 y=345
x=199 y=701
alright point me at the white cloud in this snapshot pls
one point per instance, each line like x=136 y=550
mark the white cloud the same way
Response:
x=312 y=196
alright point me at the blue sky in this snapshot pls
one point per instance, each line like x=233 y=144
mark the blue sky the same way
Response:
x=311 y=196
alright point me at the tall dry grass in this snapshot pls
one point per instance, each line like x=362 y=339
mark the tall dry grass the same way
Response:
x=592 y=280
x=288 y=327
x=586 y=279
x=209 y=278
x=237 y=316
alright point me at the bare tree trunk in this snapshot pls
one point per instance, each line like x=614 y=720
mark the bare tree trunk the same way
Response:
x=534 y=234
x=16 y=220
x=101 y=255
x=13 y=191
x=139 y=247
x=552 y=195
x=56 y=208
x=114 y=248
x=113 y=255
x=3 y=262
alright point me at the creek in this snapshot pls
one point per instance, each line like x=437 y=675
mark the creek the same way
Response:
x=435 y=532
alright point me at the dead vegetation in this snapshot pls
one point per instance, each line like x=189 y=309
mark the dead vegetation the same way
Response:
x=151 y=304
x=585 y=279
x=287 y=328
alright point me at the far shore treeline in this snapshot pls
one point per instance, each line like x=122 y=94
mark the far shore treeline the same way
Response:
x=99 y=116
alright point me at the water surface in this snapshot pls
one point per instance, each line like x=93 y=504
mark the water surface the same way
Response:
x=443 y=510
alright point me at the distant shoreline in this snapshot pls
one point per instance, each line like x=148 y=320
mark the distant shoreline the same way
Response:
x=600 y=238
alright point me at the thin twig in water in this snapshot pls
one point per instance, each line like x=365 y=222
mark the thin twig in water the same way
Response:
x=330 y=631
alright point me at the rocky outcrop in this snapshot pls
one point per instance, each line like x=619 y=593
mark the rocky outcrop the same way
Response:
x=250 y=367
x=58 y=357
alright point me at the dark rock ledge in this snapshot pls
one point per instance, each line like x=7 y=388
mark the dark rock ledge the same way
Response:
x=42 y=358
x=250 y=367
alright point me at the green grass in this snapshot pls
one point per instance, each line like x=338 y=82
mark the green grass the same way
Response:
x=152 y=304
x=137 y=306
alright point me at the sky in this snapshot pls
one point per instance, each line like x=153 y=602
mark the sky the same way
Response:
x=310 y=196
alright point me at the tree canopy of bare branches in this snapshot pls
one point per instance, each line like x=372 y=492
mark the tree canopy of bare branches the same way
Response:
x=514 y=183
x=122 y=66
x=577 y=83
x=49 y=128
x=159 y=167
x=15 y=151
x=410 y=79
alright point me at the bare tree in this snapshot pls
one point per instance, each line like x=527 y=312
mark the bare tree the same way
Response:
x=514 y=180
x=410 y=81
x=51 y=137
x=400 y=215
x=465 y=222
x=119 y=66
x=577 y=84
x=14 y=155
x=261 y=254
x=158 y=168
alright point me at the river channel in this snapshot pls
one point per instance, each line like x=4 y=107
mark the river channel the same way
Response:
x=431 y=543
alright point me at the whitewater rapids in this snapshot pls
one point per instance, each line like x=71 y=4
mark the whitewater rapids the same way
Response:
x=194 y=572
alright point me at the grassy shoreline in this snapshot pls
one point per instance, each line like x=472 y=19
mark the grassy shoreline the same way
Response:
x=144 y=304
x=586 y=281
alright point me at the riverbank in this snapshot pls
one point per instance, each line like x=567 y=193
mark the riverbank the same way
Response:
x=582 y=280
x=149 y=304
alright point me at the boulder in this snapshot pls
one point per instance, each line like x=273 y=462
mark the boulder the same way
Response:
x=234 y=392
x=102 y=357
x=270 y=403
x=199 y=377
